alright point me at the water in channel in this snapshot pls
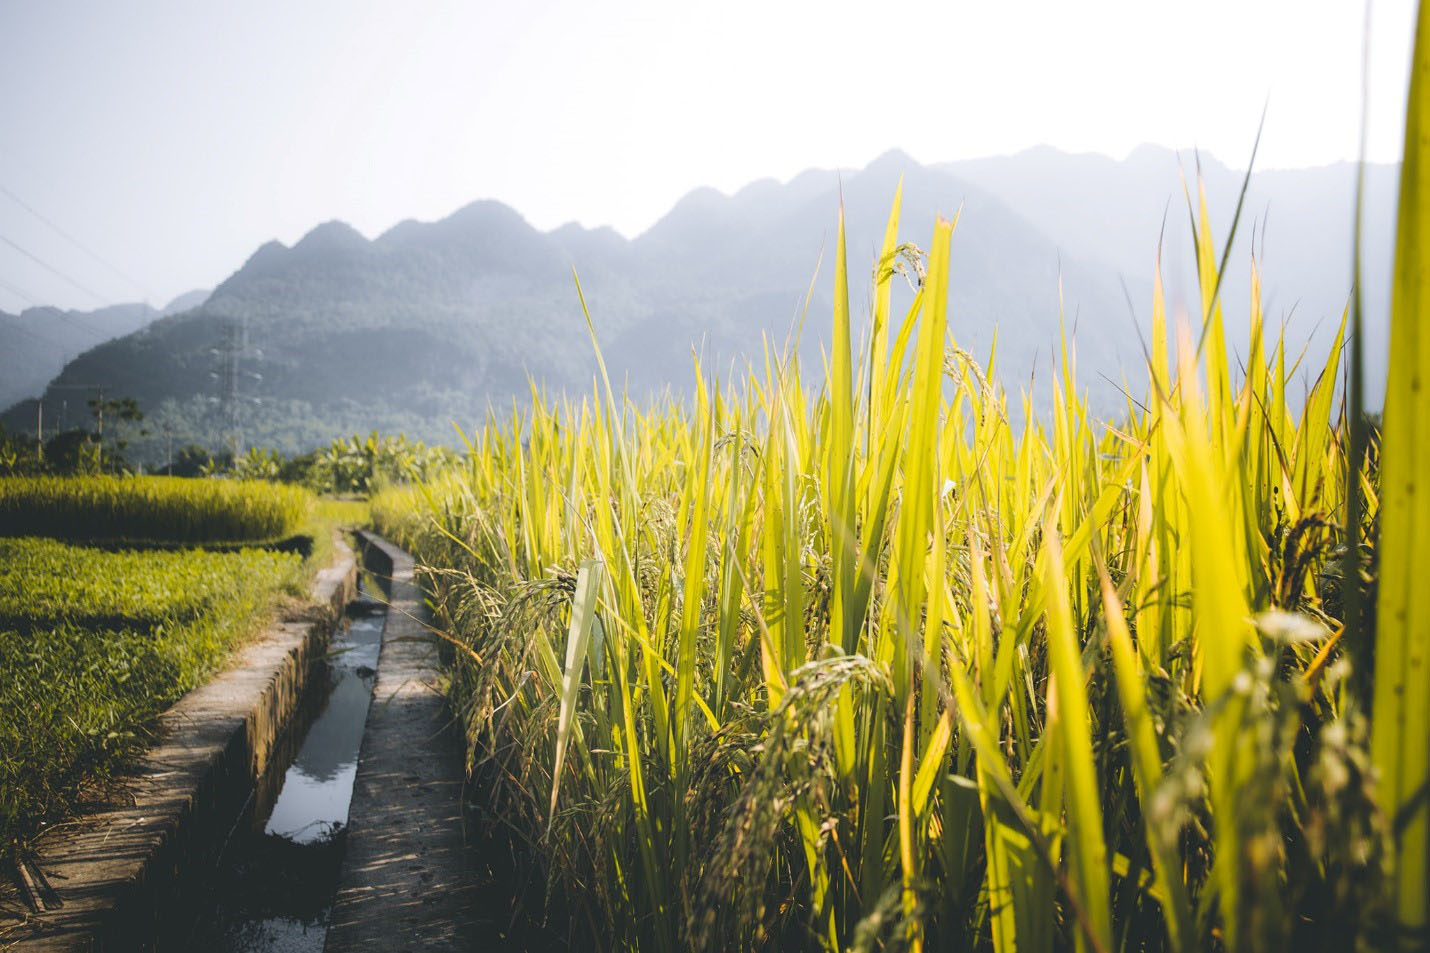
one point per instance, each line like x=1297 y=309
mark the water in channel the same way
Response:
x=280 y=870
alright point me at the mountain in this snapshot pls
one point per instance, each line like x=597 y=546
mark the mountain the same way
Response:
x=736 y=267
x=37 y=343
x=432 y=323
x=1300 y=221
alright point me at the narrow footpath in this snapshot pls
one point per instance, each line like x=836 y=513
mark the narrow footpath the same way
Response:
x=406 y=883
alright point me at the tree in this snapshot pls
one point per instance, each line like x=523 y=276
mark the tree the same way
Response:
x=123 y=410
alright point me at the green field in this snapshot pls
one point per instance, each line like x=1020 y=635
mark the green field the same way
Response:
x=95 y=644
x=110 y=622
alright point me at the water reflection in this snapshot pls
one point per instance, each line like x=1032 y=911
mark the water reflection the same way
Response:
x=313 y=803
x=276 y=890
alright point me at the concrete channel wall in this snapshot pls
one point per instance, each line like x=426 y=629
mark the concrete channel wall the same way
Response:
x=121 y=876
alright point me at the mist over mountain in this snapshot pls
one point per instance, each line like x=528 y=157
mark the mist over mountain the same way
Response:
x=1300 y=221
x=431 y=323
x=37 y=343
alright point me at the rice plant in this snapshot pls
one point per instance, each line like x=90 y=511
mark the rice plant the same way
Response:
x=856 y=662
x=872 y=668
x=150 y=509
x=1402 y=659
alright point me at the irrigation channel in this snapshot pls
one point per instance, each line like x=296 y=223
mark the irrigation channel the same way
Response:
x=307 y=798
x=279 y=870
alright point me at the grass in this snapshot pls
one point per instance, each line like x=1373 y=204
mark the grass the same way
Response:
x=94 y=645
x=151 y=509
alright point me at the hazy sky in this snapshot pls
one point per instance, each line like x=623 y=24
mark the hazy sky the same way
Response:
x=170 y=139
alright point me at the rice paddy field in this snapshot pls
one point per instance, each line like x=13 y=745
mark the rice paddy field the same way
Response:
x=875 y=668
x=151 y=509
x=874 y=656
x=853 y=661
x=95 y=644
x=113 y=619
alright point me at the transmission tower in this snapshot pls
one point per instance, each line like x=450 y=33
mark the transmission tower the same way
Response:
x=230 y=376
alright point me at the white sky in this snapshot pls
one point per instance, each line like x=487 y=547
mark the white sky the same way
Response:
x=172 y=137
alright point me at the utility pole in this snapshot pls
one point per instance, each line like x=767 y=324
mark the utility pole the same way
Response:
x=40 y=430
x=100 y=406
x=99 y=390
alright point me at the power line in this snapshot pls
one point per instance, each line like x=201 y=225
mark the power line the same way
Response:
x=85 y=326
x=13 y=324
x=17 y=326
x=55 y=271
x=106 y=367
x=60 y=313
x=77 y=243
x=99 y=335
x=17 y=292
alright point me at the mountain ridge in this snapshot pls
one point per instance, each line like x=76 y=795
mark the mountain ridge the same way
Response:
x=430 y=322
